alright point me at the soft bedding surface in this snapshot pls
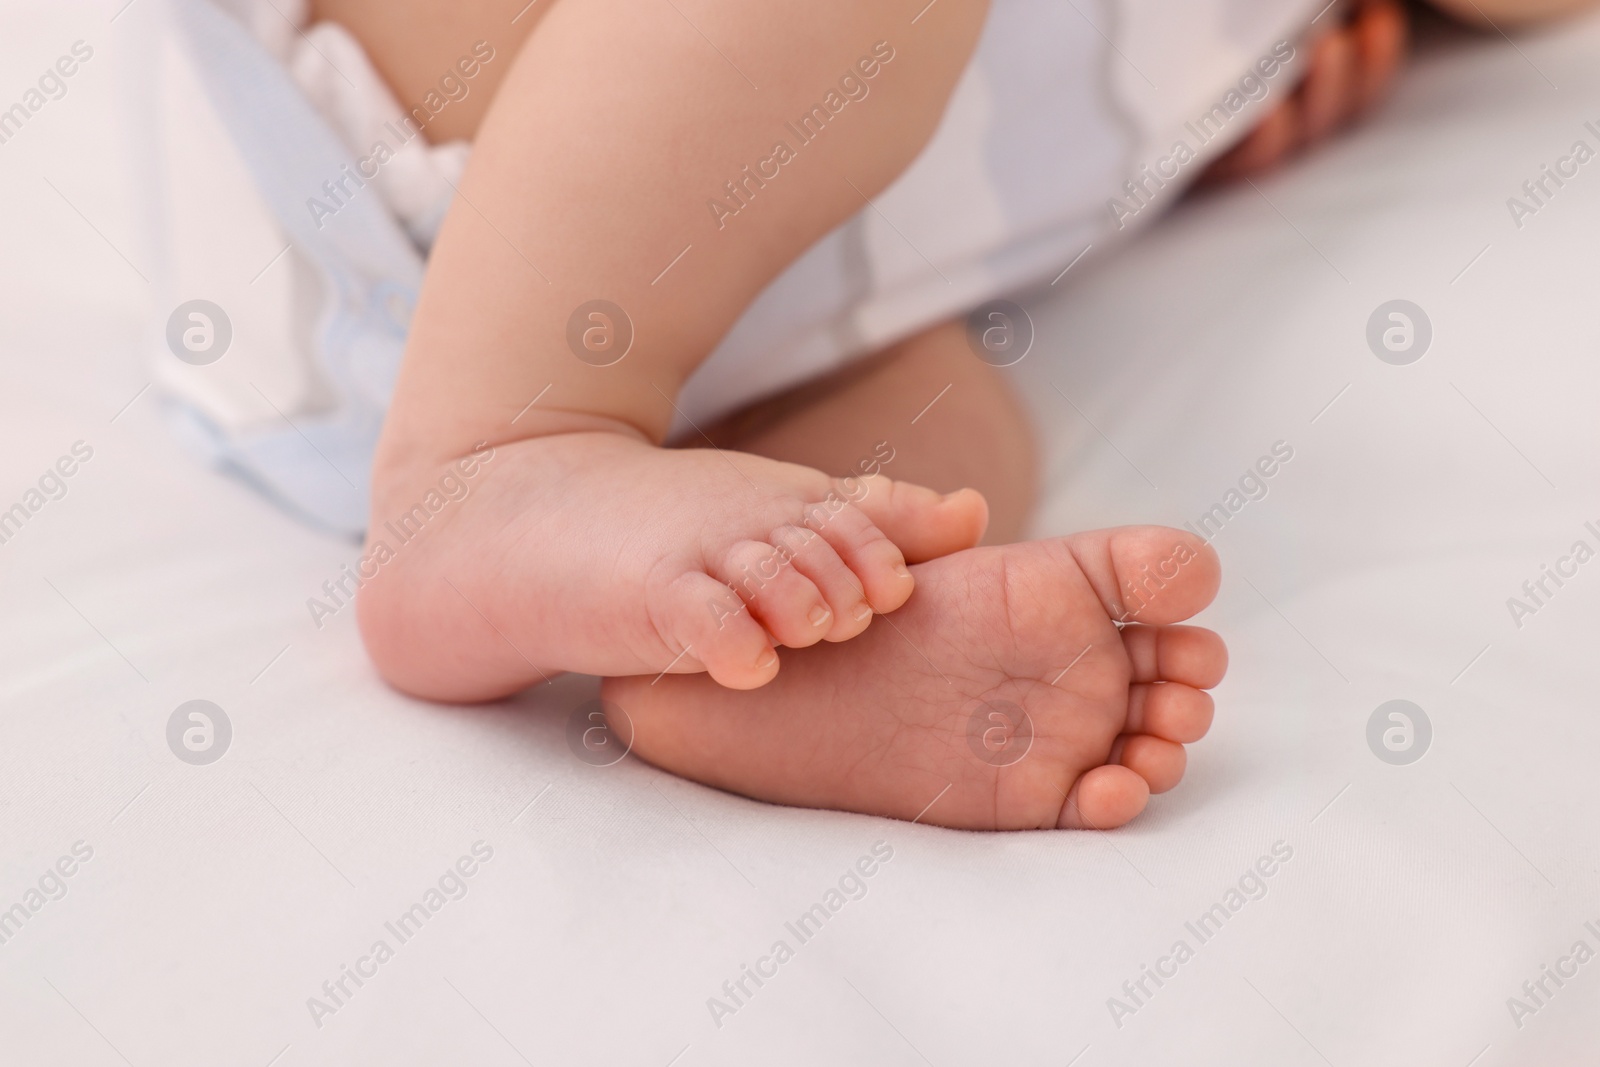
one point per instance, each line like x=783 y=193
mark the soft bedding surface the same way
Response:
x=1334 y=907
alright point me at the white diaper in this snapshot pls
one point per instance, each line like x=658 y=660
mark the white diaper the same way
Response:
x=1063 y=136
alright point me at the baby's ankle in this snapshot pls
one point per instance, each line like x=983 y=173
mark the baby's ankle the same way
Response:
x=407 y=456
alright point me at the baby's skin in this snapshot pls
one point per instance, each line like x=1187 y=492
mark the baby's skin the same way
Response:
x=773 y=614
x=598 y=551
x=918 y=717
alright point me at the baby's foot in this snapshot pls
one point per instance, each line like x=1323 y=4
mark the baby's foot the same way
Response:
x=924 y=714
x=599 y=553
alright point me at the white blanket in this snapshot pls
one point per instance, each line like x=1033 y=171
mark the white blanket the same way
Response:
x=207 y=905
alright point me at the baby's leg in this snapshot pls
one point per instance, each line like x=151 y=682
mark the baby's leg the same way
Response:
x=582 y=545
x=1002 y=695
x=415 y=43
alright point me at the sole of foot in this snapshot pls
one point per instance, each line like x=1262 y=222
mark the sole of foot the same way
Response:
x=1028 y=686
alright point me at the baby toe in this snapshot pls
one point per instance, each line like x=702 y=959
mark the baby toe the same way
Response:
x=1169 y=710
x=877 y=562
x=812 y=557
x=707 y=626
x=784 y=601
x=1160 y=763
x=1189 y=654
x=1103 y=799
x=922 y=523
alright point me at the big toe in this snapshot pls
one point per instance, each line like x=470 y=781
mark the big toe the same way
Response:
x=1149 y=574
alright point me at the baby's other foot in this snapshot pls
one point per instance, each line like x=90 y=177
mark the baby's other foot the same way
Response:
x=1003 y=696
x=599 y=553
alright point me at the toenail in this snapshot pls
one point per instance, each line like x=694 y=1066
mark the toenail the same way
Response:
x=902 y=571
x=767 y=660
x=863 y=611
x=820 y=615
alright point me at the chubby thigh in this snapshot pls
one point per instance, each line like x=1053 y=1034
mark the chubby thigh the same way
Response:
x=650 y=115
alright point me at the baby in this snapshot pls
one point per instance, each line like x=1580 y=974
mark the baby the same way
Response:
x=773 y=615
